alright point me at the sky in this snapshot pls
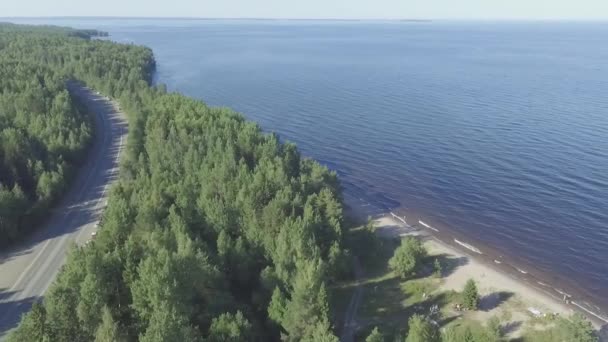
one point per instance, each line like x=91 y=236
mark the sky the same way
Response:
x=343 y=9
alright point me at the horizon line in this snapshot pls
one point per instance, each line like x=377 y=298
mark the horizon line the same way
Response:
x=304 y=18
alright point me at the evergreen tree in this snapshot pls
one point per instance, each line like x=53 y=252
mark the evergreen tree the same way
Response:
x=33 y=326
x=230 y=328
x=470 y=296
x=375 y=336
x=210 y=215
x=494 y=327
x=166 y=324
x=407 y=257
x=320 y=332
x=107 y=331
x=421 y=330
x=580 y=329
x=438 y=270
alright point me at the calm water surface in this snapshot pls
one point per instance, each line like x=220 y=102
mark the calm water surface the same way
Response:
x=498 y=131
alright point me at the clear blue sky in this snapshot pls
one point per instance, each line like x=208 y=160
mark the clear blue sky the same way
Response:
x=431 y=9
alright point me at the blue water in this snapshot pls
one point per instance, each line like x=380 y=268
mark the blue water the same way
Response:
x=496 y=131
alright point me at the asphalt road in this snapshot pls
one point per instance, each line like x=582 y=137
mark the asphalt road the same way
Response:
x=28 y=270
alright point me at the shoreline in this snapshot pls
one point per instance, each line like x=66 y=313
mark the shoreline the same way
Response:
x=531 y=289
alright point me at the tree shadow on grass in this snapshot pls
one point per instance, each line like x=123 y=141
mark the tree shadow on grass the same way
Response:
x=442 y=300
x=384 y=300
x=384 y=305
x=445 y=321
x=494 y=300
x=448 y=263
x=371 y=250
x=510 y=327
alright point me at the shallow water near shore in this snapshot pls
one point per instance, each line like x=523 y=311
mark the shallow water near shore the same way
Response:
x=497 y=132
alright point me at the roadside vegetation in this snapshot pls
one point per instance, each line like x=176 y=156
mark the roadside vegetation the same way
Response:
x=43 y=133
x=403 y=299
x=215 y=230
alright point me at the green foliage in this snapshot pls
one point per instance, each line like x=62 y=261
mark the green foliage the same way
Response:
x=368 y=247
x=403 y=263
x=469 y=332
x=306 y=312
x=581 y=329
x=494 y=328
x=33 y=325
x=437 y=269
x=422 y=330
x=107 y=331
x=44 y=132
x=407 y=257
x=575 y=329
x=166 y=324
x=418 y=290
x=230 y=328
x=13 y=205
x=470 y=296
x=43 y=135
x=210 y=215
x=370 y=225
x=320 y=332
x=375 y=336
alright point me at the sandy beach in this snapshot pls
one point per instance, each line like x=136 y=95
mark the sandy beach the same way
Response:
x=522 y=300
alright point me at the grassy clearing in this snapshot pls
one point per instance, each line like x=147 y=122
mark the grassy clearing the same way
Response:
x=388 y=301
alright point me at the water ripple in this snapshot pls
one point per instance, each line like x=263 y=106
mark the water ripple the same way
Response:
x=492 y=132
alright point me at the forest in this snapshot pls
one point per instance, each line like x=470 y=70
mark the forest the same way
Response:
x=43 y=134
x=215 y=231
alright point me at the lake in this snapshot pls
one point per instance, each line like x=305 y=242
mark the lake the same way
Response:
x=497 y=132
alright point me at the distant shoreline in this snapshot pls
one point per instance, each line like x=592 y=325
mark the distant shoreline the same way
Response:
x=221 y=19
x=367 y=20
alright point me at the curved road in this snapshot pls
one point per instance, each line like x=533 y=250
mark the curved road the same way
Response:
x=29 y=269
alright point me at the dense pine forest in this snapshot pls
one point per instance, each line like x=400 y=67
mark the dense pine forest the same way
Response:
x=215 y=231
x=43 y=134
